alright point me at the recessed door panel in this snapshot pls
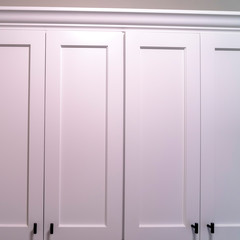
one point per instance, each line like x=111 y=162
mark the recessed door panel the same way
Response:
x=84 y=135
x=14 y=102
x=227 y=135
x=162 y=136
x=161 y=129
x=83 y=140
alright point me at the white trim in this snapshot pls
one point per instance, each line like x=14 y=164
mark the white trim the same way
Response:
x=114 y=10
x=118 y=17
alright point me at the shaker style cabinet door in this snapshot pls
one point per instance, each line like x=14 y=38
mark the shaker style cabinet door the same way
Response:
x=220 y=135
x=84 y=136
x=21 y=134
x=162 y=162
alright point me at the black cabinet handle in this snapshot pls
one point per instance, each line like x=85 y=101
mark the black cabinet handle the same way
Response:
x=195 y=227
x=51 y=228
x=211 y=226
x=35 y=228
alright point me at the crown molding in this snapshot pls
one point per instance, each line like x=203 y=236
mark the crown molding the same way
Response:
x=118 y=17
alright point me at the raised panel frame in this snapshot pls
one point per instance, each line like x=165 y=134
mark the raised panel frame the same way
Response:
x=212 y=43
x=35 y=42
x=176 y=41
x=113 y=43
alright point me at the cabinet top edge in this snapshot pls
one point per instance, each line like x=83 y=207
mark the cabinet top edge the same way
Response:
x=119 y=17
x=117 y=10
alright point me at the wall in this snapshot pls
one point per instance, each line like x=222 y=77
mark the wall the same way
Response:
x=224 y=5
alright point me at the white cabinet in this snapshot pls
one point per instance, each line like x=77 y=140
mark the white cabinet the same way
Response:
x=21 y=133
x=220 y=135
x=162 y=147
x=84 y=135
x=112 y=133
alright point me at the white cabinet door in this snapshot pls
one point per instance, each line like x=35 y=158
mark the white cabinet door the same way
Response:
x=84 y=135
x=221 y=135
x=162 y=159
x=21 y=134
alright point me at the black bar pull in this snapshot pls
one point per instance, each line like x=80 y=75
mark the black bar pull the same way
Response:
x=51 y=228
x=35 y=228
x=211 y=226
x=195 y=227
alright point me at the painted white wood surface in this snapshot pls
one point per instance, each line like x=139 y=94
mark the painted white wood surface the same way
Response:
x=84 y=135
x=220 y=135
x=118 y=18
x=162 y=159
x=21 y=133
